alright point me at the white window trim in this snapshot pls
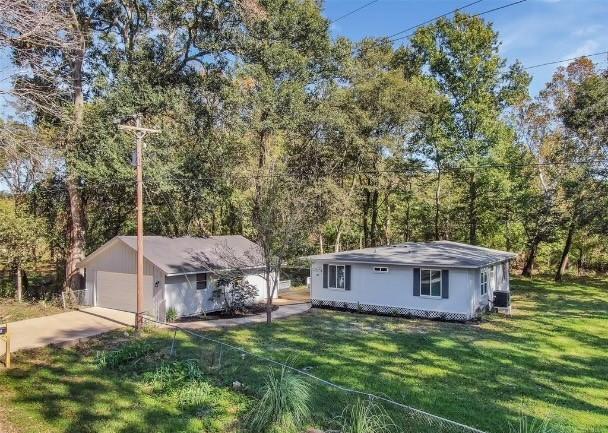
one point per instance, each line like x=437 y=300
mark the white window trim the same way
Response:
x=429 y=296
x=380 y=269
x=484 y=271
x=329 y=283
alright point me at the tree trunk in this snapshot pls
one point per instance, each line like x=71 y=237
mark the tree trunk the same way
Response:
x=18 y=276
x=76 y=237
x=527 y=270
x=437 y=205
x=321 y=247
x=76 y=234
x=563 y=264
x=269 y=311
x=374 y=219
x=338 y=237
x=472 y=210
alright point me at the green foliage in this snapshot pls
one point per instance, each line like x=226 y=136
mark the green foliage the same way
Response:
x=123 y=357
x=366 y=417
x=535 y=425
x=193 y=394
x=171 y=315
x=284 y=406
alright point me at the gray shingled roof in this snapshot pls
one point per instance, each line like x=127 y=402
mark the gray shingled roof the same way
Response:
x=192 y=254
x=438 y=253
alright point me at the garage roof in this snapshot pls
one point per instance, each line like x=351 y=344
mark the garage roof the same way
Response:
x=433 y=254
x=192 y=254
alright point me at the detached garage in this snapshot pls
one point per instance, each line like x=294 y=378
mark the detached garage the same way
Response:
x=179 y=273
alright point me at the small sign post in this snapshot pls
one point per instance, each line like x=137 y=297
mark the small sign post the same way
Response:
x=4 y=335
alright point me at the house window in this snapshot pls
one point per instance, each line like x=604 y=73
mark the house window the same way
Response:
x=505 y=271
x=430 y=283
x=380 y=269
x=337 y=277
x=484 y=281
x=201 y=281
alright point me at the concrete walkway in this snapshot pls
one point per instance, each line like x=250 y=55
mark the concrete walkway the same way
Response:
x=282 y=312
x=67 y=328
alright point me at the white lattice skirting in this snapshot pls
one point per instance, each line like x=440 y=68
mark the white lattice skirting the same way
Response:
x=389 y=311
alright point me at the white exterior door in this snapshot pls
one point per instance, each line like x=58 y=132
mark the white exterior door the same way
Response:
x=118 y=291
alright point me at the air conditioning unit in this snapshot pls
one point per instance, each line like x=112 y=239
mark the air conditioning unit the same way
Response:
x=502 y=299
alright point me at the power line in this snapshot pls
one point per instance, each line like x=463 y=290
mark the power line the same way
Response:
x=433 y=19
x=472 y=16
x=244 y=175
x=354 y=11
x=555 y=62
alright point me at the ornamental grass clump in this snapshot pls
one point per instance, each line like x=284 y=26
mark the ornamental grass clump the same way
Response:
x=284 y=406
x=366 y=417
x=169 y=376
x=123 y=357
x=533 y=425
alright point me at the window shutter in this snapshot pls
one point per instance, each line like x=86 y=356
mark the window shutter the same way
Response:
x=325 y=275
x=416 y=281
x=445 y=283
x=347 y=277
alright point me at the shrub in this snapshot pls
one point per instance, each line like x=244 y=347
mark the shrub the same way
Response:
x=283 y=406
x=235 y=293
x=365 y=417
x=171 y=315
x=117 y=359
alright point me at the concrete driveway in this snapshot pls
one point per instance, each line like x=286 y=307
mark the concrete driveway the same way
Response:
x=65 y=327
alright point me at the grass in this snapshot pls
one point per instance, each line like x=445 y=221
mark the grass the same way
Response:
x=549 y=361
x=12 y=311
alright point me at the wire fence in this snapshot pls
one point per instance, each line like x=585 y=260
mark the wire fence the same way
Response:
x=232 y=366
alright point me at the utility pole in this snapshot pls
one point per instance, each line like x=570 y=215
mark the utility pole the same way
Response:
x=140 y=133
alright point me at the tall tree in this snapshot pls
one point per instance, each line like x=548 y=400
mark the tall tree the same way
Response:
x=460 y=56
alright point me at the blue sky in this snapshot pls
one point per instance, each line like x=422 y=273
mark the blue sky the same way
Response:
x=534 y=32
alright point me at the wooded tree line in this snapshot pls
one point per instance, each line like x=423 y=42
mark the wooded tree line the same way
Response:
x=272 y=129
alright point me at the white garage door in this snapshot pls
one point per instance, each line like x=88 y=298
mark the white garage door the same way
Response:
x=118 y=291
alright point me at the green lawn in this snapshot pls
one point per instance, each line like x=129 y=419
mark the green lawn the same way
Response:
x=12 y=311
x=549 y=360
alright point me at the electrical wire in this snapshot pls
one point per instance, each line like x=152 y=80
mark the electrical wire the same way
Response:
x=555 y=62
x=472 y=16
x=354 y=11
x=433 y=19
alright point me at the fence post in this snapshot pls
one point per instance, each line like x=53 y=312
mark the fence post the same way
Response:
x=4 y=335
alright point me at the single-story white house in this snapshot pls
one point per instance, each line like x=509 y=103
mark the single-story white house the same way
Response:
x=438 y=280
x=179 y=273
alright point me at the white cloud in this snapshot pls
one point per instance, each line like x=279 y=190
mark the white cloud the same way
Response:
x=588 y=31
x=588 y=47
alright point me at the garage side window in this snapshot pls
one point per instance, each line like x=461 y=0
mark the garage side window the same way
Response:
x=484 y=281
x=201 y=281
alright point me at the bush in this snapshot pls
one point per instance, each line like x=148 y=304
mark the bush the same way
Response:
x=171 y=315
x=235 y=293
x=365 y=417
x=117 y=359
x=283 y=406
